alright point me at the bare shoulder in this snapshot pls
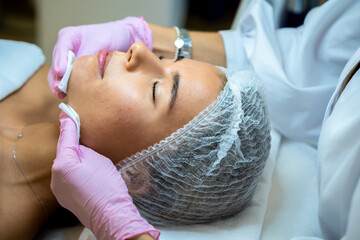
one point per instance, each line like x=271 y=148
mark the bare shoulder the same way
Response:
x=33 y=102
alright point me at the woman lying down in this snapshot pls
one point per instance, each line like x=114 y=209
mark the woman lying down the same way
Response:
x=189 y=139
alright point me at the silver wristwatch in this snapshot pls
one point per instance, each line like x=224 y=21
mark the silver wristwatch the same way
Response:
x=182 y=43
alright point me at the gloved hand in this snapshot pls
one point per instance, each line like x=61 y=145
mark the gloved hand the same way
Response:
x=88 y=184
x=89 y=39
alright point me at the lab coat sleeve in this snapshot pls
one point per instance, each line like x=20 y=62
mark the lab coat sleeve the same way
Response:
x=339 y=162
x=299 y=66
x=235 y=53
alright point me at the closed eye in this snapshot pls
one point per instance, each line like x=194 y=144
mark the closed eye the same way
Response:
x=177 y=59
x=154 y=91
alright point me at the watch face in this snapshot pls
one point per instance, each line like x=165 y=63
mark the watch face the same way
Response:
x=179 y=43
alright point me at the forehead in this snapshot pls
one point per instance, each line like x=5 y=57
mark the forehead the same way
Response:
x=202 y=76
x=200 y=84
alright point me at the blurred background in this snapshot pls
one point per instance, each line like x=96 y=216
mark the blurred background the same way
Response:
x=38 y=21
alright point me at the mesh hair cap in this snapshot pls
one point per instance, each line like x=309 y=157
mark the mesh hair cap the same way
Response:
x=209 y=169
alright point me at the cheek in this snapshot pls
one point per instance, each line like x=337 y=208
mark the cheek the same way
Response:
x=84 y=71
x=85 y=101
x=97 y=114
x=111 y=125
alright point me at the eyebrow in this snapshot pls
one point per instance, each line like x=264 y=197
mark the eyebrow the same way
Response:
x=174 y=90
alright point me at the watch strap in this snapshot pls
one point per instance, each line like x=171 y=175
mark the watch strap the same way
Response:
x=182 y=43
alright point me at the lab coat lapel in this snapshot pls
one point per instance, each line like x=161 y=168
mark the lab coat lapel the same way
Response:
x=345 y=75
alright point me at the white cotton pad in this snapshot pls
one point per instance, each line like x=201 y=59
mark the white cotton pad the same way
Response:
x=74 y=116
x=64 y=81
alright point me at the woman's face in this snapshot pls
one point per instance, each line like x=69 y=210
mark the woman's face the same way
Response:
x=129 y=101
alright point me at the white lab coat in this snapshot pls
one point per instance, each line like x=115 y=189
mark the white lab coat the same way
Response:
x=301 y=68
x=339 y=158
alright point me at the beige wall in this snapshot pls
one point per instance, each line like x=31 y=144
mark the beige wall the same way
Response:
x=52 y=15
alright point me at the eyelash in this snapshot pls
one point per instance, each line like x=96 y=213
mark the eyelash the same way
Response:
x=154 y=90
x=154 y=85
x=177 y=59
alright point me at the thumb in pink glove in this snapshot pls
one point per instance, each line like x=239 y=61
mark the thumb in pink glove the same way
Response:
x=88 y=184
x=89 y=39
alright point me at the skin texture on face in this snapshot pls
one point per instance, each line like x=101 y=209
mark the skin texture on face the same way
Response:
x=129 y=108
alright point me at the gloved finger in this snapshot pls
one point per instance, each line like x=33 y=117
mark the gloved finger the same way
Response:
x=67 y=40
x=68 y=144
x=60 y=61
x=86 y=51
x=66 y=156
x=53 y=83
x=89 y=156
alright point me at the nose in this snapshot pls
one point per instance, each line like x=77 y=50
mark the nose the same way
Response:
x=139 y=57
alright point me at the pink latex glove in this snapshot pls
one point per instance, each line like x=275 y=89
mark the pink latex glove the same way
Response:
x=88 y=184
x=89 y=39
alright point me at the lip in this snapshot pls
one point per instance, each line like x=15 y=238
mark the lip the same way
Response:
x=103 y=58
x=107 y=61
